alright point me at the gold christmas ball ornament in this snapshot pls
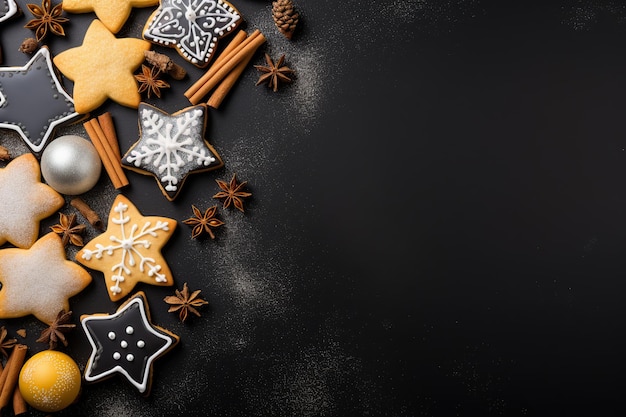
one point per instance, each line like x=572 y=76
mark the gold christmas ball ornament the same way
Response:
x=50 y=381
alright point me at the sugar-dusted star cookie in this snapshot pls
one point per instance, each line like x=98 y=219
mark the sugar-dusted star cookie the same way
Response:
x=24 y=201
x=8 y=9
x=39 y=280
x=193 y=27
x=126 y=343
x=129 y=251
x=113 y=13
x=103 y=68
x=171 y=146
x=33 y=101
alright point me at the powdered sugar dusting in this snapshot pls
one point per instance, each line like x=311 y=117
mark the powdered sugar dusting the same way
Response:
x=585 y=14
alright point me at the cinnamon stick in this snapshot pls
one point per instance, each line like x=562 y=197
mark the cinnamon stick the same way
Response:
x=221 y=91
x=239 y=37
x=19 y=404
x=106 y=122
x=227 y=83
x=219 y=70
x=5 y=372
x=12 y=370
x=87 y=212
x=112 y=165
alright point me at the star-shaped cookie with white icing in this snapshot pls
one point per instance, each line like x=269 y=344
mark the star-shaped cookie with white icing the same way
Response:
x=24 y=201
x=28 y=104
x=193 y=27
x=8 y=9
x=113 y=13
x=39 y=280
x=171 y=146
x=126 y=343
x=129 y=252
x=103 y=68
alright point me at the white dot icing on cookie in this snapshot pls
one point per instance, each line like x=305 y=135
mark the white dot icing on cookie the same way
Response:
x=134 y=363
x=130 y=330
x=111 y=335
x=124 y=344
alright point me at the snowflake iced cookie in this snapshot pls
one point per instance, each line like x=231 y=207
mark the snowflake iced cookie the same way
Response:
x=8 y=9
x=129 y=251
x=39 y=280
x=112 y=13
x=193 y=27
x=171 y=147
x=126 y=343
x=24 y=201
x=103 y=68
x=33 y=102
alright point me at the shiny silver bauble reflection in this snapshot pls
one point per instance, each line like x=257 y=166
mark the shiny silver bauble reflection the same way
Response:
x=71 y=165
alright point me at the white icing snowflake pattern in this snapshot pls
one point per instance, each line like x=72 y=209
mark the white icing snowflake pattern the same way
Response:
x=171 y=146
x=192 y=26
x=128 y=249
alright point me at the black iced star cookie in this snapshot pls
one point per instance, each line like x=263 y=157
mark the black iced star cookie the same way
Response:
x=126 y=343
x=193 y=27
x=33 y=101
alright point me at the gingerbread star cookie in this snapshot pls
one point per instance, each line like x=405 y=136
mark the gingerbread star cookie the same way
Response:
x=126 y=343
x=193 y=27
x=171 y=146
x=28 y=104
x=8 y=9
x=113 y=13
x=24 y=201
x=129 y=251
x=39 y=280
x=103 y=68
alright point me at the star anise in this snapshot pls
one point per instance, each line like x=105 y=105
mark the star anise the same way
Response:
x=69 y=230
x=273 y=74
x=5 y=343
x=47 y=18
x=232 y=192
x=150 y=81
x=203 y=222
x=55 y=332
x=184 y=303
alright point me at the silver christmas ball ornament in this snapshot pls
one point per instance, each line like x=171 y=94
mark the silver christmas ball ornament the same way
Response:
x=71 y=165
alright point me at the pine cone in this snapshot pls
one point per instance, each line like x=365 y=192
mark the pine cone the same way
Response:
x=285 y=16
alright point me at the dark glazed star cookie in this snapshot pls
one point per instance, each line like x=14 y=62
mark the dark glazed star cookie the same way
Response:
x=33 y=101
x=192 y=27
x=126 y=343
x=171 y=146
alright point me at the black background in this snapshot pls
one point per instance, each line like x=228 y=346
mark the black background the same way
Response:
x=437 y=223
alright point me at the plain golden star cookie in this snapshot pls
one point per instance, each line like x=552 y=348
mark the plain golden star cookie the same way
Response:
x=129 y=252
x=112 y=13
x=24 y=201
x=39 y=280
x=103 y=68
